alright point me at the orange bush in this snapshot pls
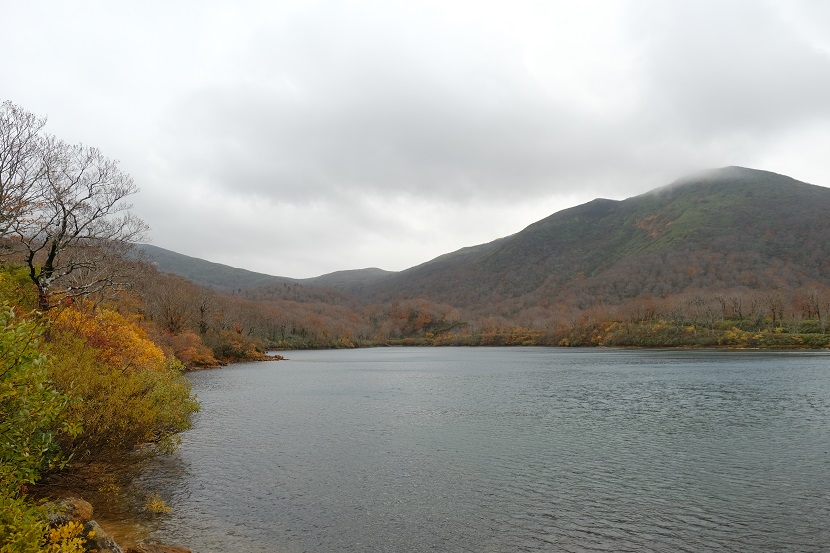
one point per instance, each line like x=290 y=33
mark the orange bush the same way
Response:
x=117 y=341
x=188 y=348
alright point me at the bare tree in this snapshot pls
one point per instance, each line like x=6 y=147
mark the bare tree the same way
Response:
x=775 y=305
x=114 y=266
x=21 y=164
x=79 y=218
x=817 y=300
x=179 y=305
x=206 y=306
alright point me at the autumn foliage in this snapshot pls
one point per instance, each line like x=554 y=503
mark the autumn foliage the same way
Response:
x=117 y=342
x=79 y=385
x=126 y=392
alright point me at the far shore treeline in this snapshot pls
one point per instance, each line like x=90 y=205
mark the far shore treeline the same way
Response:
x=95 y=334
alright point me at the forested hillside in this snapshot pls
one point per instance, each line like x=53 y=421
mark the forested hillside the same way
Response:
x=689 y=263
x=725 y=229
x=722 y=229
x=203 y=272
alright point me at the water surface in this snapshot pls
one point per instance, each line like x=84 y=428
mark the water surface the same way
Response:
x=505 y=449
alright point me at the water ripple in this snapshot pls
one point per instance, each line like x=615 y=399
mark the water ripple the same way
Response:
x=506 y=450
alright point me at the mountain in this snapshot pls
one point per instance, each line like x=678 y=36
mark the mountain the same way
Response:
x=715 y=230
x=355 y=280
x=225 y=277
x=206 y=272
x=731 y=228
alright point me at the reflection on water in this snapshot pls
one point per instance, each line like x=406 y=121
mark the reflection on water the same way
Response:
x=505 y=450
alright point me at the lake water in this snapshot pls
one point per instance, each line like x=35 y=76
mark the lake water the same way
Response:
x=505 y=449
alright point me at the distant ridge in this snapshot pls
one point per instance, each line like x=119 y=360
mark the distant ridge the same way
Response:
x=208 y=273
x=354 y=279
x=225 y=277
x=731 y=228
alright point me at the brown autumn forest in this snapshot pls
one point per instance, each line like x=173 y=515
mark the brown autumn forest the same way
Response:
x=731 y=257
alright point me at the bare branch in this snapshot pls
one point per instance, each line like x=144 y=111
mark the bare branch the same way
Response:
x=63 y=209
x=20 y=163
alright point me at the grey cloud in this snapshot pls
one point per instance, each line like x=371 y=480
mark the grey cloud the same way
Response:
x=386 y=105
x=732 y=67
x=380 y=133
x=443 y=119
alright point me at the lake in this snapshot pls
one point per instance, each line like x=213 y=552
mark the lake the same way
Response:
x=505 y=449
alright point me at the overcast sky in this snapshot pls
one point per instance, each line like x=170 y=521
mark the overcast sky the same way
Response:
x=298 y=138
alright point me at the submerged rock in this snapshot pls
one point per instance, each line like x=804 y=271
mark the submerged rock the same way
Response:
x=99 y=541
x=69 y=509
x=77 y=510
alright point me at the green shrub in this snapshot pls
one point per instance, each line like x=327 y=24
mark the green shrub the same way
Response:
x=31 y=408
x=816 y=340
x=31 y=421
x=16 y=287
x=22 y=525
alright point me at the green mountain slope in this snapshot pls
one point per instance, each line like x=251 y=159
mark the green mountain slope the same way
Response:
x=718 y=229
x=724 y=229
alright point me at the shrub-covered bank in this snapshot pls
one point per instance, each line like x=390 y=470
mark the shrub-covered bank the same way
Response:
x=79 y=384
x=612 y=333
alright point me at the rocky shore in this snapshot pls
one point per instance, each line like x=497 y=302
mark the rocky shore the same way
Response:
x=76 y=516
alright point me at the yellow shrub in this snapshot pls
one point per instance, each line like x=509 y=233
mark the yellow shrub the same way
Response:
x=124 y=392
x=155 y=504
x=116 y=340
x=67 y=538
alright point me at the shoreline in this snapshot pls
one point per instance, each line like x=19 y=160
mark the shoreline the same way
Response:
x=122 y=519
